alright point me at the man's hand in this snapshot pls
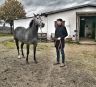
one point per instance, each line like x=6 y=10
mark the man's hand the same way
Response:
x=58 y=38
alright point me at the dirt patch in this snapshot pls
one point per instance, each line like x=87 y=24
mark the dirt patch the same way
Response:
x=80 y=70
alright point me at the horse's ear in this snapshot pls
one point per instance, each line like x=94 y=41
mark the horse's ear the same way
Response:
x=34 y=14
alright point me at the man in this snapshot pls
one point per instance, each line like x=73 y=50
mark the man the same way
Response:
x=60 y=34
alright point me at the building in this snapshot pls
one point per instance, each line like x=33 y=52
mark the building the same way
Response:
x=80 y=22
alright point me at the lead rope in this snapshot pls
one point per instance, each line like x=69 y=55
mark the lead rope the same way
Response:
x=59 y=44
x=41 y=30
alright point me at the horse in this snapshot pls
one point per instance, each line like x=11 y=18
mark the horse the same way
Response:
x=28 y=36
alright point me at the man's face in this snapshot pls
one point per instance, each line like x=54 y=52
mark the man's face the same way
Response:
x=59 y=22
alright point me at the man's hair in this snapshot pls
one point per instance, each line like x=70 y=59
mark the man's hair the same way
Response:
x=59 y=19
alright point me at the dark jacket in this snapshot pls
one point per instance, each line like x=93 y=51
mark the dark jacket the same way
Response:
x=62 y=33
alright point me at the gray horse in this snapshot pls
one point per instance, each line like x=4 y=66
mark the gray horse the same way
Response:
x=28 y=36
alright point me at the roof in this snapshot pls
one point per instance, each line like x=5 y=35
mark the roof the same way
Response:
x=23 y=18
x=71 y=8
x=63 y=10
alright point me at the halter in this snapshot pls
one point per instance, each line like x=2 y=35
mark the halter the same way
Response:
x=60 y=44
x=40 y=21
x=41 y=27
x=41 y=30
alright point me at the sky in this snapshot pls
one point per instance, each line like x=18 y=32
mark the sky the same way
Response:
x=39 y=6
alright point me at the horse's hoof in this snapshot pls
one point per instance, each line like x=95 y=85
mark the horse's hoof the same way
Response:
x=19 y=57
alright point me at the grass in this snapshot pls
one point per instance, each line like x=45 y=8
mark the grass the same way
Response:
x=3 y=35
x=9 y=44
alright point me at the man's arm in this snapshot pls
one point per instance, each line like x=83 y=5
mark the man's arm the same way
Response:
x=56 y=35
x=65 y=33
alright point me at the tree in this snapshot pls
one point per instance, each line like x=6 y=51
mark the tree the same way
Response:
x=12 y=9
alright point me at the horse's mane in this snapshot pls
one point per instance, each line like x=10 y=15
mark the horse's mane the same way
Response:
x=31 y=23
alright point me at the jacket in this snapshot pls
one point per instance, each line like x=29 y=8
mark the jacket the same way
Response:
x=62 y=33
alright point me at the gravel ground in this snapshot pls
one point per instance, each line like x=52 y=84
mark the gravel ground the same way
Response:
x=80 y=70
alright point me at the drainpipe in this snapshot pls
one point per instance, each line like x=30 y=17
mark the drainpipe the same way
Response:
x=95 y=31
x=78 y=28
x=47 y=27
x=95 y=34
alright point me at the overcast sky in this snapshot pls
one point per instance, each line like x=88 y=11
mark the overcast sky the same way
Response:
x=38 y=6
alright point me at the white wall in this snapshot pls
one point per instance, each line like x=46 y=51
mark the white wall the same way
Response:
x=25 y=23
x=70 y=20
x=69 y=17
x=22 y=23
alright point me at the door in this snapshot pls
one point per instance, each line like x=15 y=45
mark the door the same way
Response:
x=82 y=28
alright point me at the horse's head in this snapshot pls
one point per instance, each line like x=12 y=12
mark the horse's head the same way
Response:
x=38 y=21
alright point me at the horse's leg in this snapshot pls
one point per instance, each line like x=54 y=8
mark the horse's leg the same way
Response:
x=27 y=53
x=34 y=51
x=17 y=45
x=22 y=44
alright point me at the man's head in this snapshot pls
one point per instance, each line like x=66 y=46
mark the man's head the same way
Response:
x=59 y=22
